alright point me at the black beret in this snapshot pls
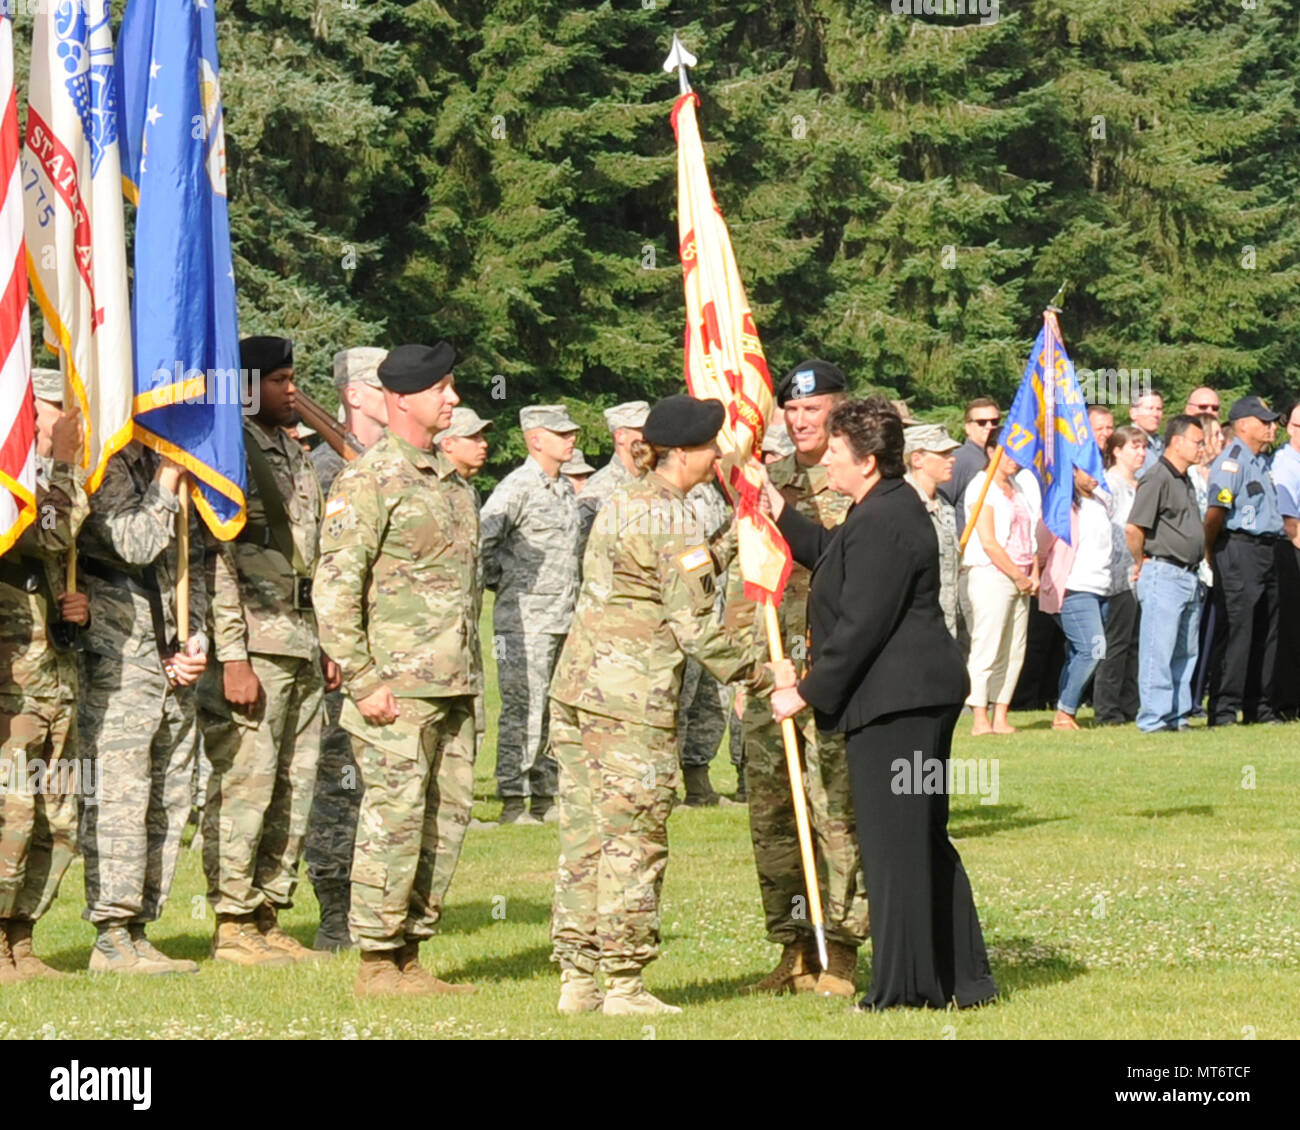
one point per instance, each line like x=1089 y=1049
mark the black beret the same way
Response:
x=413 y=368
x=810 y=378
x=683 y=421
x=263 y=355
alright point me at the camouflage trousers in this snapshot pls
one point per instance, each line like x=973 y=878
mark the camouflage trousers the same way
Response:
x=418 y=775
x=141 y=735
x=702 y=713
x=332 y=828
x=525 y=663
x=260 y=791
x=776 y=840
x=39 y=779
x=618 y=781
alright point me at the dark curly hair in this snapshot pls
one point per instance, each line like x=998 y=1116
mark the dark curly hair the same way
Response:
x=871 y=426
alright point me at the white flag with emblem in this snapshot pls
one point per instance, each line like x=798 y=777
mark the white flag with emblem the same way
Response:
x=72 y=194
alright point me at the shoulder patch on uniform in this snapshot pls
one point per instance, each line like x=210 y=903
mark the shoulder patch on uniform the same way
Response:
x=335 y=506
x=1224 y=496
x=694 y=559
x=1229 y=466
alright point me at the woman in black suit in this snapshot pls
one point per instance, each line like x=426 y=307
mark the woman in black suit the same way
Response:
x=888 y=675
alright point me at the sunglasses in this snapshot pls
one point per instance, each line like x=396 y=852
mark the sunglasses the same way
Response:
x=993 y=423
x=1206 y=407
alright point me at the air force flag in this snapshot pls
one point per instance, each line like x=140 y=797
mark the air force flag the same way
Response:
x=187 y=383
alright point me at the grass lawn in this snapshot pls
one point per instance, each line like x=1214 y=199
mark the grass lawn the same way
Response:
x=1129 y=887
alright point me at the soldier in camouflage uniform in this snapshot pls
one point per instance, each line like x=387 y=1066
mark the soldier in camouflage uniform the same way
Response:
x=261 y=701
x=647 y=602
x=927 y=451
x=465 y=443
x=532 y=559
x=136 y=713
x=38 y=689
x=705 y=703
x=624 y=421
x=578 y=471
x=332 y=825
x=807 y=394
x=394 y=596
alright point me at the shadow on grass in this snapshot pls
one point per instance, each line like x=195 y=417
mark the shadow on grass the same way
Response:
x=989 y=820
x=1182 y=810
x=196 y=945
x=521 y=965
x=1018 y=964
x=487 y=914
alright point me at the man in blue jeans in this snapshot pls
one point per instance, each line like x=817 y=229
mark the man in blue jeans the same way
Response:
x=1166 y=538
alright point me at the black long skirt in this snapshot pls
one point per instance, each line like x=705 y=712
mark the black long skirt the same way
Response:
x=927 y=947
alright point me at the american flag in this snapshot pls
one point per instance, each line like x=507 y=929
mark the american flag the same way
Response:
x=17 y=412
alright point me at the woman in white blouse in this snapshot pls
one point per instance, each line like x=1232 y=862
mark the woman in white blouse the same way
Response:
x=1115 y=687
x=1003 y=574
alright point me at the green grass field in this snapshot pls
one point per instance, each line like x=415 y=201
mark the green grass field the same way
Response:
x=1129 y=887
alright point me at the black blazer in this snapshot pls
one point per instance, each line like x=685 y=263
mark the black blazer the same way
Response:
x=879 y=644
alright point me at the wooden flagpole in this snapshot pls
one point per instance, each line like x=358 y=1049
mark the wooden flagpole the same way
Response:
x=183 y=562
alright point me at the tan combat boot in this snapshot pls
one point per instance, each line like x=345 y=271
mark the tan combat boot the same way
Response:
x=836 y=979
x=379 y=975
x=9 y=974
x=238 y=941
x=627 y=996
x=114 y=953
x=417 y=979
x=579 y=993
x=146 y=949
x=25 y=962
x=796 y=972
x=267 y=918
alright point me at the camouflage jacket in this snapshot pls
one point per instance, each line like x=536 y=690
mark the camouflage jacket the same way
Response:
x=253 y=582
x=944 y=518
x=476 y=646
x=808 y=491
x=531 y=548
x=646 y=604
x=29 y=665
x=395 y=579
x=599 y=487
x=132 y=525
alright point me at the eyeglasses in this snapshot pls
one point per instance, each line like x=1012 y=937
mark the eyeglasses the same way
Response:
x=993 y=423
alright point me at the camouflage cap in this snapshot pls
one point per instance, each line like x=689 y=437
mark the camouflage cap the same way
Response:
x=578 y=465
x=552 y=417
x=47 y=384
x=927 y=437
x=465 y=422
x=360 y=364
x=629 y=415
x=776 y=440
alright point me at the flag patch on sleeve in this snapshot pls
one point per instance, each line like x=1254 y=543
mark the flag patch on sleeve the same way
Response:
x=1229 y=466
x=694 y=559
x=335 y=506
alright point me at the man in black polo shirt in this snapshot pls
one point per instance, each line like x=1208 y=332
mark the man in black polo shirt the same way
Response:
x=1167 y=540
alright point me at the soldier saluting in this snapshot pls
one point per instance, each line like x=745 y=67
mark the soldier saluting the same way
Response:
x=395 y=599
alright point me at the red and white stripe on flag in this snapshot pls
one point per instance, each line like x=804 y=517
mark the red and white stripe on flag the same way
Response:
x=76 y=249
x=724 y=357
x=17 y=411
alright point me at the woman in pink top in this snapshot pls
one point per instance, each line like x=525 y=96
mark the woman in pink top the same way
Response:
x=1002 y=558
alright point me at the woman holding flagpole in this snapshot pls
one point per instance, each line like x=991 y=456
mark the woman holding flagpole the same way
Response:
x=647 y=602
x=887 y=674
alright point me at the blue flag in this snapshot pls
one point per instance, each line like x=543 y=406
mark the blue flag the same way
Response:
x=1047 y=429
x=188 y=389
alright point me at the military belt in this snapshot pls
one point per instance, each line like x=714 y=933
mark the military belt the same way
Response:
x=31 y=578
x=145 y=585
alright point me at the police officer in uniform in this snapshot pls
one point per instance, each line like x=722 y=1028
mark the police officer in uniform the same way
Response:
x=1243 y=524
